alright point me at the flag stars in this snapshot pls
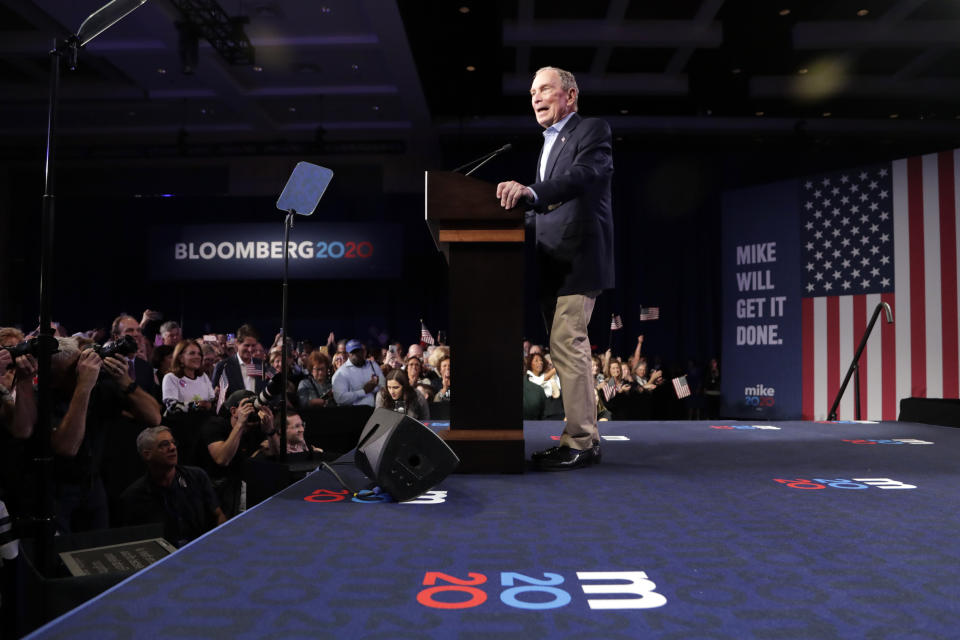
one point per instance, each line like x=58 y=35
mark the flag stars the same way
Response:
x=855 y=273
x=846 y=284
x=865 y=283
x=874 y=206
x=827 y=286
x=809 y=225
x=845 y=242
x=863 y=175
x=874 y=250
x=875 y=272
x=864 y=197
x=808 y=206
x=810 y=266
x=835 y=191
x=873 y=184
x=828 y=265
x=818 y=235
x=818 y=276
x=817 y=194
x=883 y=216
x=885 y=282
x=826 y=182
x=808 y=185
x=836 y=275
x=883 y=173
x=844 y=179
x=865 y=262
x=874 y=228
x=809 y=246
x=845 y=264
x=818 y=256
x=845 y=221
x=884 y=194
x=884 y=260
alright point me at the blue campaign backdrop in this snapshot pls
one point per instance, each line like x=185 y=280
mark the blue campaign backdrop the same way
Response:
x=761 y=302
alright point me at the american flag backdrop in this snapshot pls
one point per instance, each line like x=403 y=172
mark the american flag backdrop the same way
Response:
x=880 y=234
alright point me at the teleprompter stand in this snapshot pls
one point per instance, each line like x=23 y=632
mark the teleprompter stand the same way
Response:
x=483 y=244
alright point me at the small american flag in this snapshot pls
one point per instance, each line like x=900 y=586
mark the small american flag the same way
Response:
x=609 y=389
x=425 y=336
x=255 y=369
x=649 y=313
x=223 y=392
x=615 y=323
x=681 y=387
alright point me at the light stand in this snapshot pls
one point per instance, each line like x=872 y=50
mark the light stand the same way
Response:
x=98 y=22
x=301 y=195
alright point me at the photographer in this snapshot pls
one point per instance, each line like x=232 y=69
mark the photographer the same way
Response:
x=18 y=403
x=231 y=437
x=90 y=394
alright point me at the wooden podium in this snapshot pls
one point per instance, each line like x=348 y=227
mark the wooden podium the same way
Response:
x=483 y=244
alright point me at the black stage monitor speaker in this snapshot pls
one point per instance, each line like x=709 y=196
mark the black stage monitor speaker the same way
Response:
x=402 y=455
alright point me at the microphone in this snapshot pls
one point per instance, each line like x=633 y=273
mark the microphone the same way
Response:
x=484 y=159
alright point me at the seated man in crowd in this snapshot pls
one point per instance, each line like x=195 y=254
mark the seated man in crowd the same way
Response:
x=242 y=371
x=180 y=497
x=358 y=380
x=231 y=437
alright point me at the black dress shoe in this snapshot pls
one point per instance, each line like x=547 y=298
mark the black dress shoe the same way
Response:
x=537 y=456
x=563 y=457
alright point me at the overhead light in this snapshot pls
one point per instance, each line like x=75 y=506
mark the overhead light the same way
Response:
x=863 y=12
x=325 y=9
x=470 y=67
x=376 y=107
x=827 y=114
x=736 y=71
x=292 y=109
x=803 y=71
x=759 y=113
x=355 y=67
x=624 y=112
x=257 y=68
x=894 y=116
x=464 y=9
x=162 y=71
x=784 y=12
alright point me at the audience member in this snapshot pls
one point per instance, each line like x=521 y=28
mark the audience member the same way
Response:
x=138 y=366
x=170 y=333
x=87 y=402
x=295 y=429
x=358 y=380
x=232 y=436
x=186 y=387
x=397 y=395
x=316 y=390
x=243 y=371
x=162 y=361
x=179 y=497
x=443 y=395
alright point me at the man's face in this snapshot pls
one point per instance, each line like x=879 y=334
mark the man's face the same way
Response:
x=129 y=327
x=209 y=362
x=358 y=356
x=246 y=348
x=415 y=350
x=163 y=453
x=294 y=430
x=551 y=103
x=172 y=337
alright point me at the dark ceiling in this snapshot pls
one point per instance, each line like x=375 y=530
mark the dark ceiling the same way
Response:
x=386 y=76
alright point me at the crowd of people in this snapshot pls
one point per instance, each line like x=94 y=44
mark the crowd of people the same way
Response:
x=148 y=425
x=151 y=426
x=630 y=388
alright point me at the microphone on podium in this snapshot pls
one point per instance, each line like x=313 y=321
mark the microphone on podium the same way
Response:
x=482 y=160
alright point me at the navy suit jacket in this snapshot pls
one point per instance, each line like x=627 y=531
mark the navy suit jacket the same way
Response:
x=574 y=217
x=231 y=369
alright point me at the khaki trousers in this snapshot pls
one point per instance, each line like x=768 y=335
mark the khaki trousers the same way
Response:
x=570 y=352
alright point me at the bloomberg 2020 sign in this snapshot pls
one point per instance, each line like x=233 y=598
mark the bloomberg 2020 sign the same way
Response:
x=255 y=251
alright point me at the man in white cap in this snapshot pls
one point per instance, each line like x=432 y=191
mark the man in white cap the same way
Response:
x=357 y=380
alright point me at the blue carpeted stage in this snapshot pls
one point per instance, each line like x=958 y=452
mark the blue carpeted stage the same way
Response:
x=687 y=530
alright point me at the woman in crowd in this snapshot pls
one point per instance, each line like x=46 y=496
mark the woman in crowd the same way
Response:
x=315 y=390
x=162 y=360
x=186 y=387
x=397 y=395
x=545 y=377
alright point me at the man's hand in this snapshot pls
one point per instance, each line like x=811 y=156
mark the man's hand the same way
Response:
x=88 y=369
x=371 y=384
x=149 y=315
x=118 y=370
x=239 y=419
x=26 y=367
x=640 y=339
x=512 y=192
x=266 y=419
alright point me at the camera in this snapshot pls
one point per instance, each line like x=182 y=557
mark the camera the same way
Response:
x=122 y=346
x=31 y=347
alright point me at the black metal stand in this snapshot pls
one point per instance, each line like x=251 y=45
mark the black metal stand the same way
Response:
x=854 y=369
x=287 y=225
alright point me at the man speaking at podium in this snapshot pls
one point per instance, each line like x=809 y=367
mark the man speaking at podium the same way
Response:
x=574 y=247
